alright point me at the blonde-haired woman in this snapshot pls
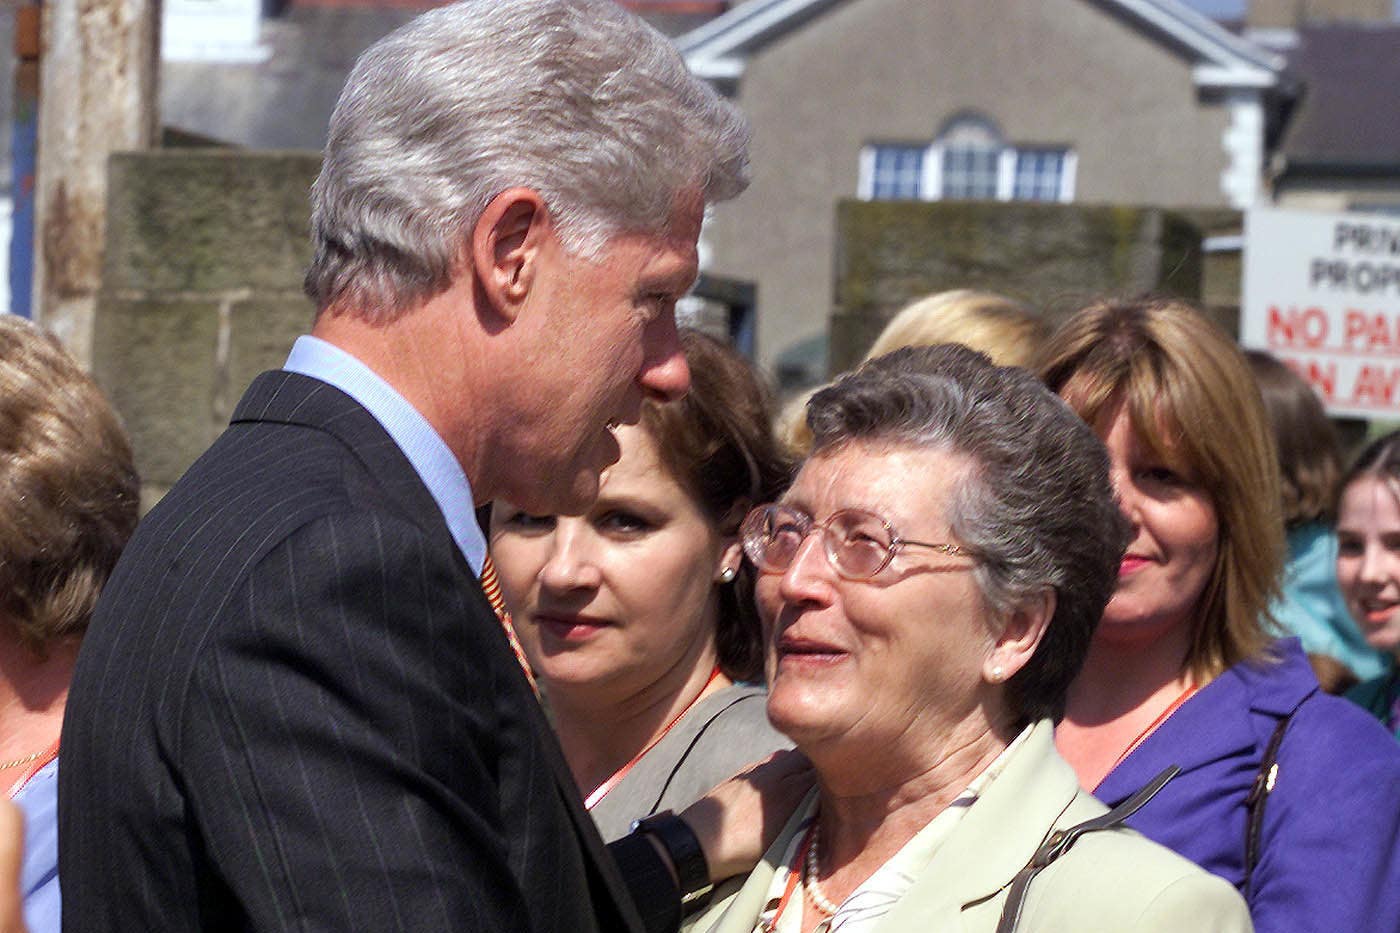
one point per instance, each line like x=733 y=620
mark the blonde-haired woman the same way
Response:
x=1004 y=329
x=1286 y=792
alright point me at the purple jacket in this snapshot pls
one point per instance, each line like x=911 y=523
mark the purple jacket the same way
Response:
x=1330 y=854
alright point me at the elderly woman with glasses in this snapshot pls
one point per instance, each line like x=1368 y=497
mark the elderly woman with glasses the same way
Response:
x=929 y=586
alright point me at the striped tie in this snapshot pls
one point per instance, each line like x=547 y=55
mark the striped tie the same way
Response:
x=492 y=586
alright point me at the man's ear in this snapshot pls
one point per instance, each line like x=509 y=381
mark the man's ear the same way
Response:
x=1021 y=634
x=505 y=249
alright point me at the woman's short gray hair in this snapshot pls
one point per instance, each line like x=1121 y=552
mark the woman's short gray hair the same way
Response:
x=1037 y=510
x=578 y=99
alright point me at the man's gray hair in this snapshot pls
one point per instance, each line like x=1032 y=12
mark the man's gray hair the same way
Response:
x=1036 y=508
x=578 y=99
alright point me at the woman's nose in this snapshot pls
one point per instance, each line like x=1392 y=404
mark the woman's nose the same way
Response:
x=571 y=565
x=809 y=577
x=1372 y=569
x=1127 y=495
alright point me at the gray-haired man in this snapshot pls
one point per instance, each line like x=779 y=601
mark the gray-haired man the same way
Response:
x=295 y=708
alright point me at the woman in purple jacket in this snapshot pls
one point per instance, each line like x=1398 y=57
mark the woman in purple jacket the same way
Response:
x=1290 y=794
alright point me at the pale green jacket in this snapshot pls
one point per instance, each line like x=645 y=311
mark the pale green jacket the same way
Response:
x=1109 y=881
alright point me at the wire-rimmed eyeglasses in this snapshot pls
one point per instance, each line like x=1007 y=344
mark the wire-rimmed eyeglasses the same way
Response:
x=857 y=544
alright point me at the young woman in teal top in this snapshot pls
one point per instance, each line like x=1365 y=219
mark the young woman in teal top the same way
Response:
x=1368 y=567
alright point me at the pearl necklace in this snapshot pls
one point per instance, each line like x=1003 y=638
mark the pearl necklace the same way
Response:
x=809 y=878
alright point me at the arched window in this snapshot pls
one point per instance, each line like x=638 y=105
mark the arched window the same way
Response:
x=970 y=151
x=967 y=160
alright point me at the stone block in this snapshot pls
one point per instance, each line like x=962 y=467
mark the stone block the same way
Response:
x=205 y=220
x=261 y=332
x=1053 y=257
x=156 y=360
x=851 y=336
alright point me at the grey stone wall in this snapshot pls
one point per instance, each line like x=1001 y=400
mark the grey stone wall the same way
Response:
x=201 y=291
x=1055 y=258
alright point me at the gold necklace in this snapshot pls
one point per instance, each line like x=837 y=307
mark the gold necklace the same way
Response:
x=15 y=763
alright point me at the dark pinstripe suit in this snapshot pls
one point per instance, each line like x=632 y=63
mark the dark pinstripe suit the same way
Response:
x=295 y=710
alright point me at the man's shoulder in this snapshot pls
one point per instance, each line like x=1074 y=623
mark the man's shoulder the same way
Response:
x=257 y=482
x=295 y=449
x=259 y=489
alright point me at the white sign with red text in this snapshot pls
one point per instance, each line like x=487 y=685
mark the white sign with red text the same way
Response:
x=1322 y=293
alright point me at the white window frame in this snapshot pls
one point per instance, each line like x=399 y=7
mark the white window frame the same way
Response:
x=931 y=180
x=865 y=186
x=1064 y=192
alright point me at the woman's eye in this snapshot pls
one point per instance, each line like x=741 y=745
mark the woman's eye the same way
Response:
x=524 y=521
x=858 y=538
x=1348 y=547
x=1163 y=476
x=624 y=522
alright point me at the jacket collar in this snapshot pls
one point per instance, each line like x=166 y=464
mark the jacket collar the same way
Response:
x=995 y=839
x=1018 y=810
x=1219 y=722
x=280 y=397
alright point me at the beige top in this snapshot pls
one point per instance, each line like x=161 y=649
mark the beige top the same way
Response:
x=1108 y=882
x=878 y=894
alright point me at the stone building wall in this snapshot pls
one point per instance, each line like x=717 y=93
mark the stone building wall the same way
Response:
x=1055 y=258
x=200 y=292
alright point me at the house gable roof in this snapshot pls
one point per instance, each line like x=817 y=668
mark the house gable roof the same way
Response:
x=719 y=49
x=1343 y=121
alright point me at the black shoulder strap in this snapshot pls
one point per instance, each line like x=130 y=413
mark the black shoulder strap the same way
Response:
x=1264 y=783
x=1060 y=842
x=695 y=740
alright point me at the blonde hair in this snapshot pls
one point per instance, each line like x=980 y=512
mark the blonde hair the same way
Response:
x=1005 y=330
x=69 y=496
x=1193 y=400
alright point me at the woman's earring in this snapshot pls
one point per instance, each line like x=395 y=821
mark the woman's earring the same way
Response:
x=996 y=675
x=727 y=575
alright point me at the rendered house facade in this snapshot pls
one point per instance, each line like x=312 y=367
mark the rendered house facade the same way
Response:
x=1085 y=101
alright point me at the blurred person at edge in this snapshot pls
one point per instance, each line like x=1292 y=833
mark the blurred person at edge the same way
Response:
x=1004 y=329
x=1368 y=567
x=69 y=499
x=296 y=707
x=922 y=674
x=1310 y=605
x=637 y=616
x=11 y=856
x=1184 y=669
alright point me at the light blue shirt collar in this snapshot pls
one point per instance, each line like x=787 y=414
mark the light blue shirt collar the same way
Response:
x=425 y=450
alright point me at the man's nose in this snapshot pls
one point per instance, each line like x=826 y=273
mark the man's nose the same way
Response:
x=665 y=376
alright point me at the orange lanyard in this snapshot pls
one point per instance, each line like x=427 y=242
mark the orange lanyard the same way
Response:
x=1152 y=726
x=794 y=873
x=602 y=789
x=49 y=755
